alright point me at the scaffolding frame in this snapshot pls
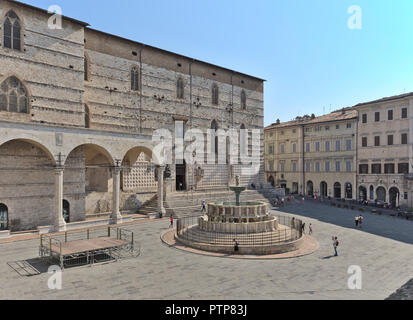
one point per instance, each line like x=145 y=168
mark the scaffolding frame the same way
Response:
x=89 y=247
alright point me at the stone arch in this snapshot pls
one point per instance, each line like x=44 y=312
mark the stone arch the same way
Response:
x=337 y=190
x=371 y=192
x=92 y=150
x=348 y=190
x=381 y=193
x=27 y=166
x=271 y=180
x=133 y=154
x=310 y=188
x=362 y=193
x=134 y=165
x=323 y=189
x=34 y=143
x=4 y=217
x=394 y=196
x=97 y=163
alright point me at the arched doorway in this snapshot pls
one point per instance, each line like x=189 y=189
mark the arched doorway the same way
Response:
x=381 y=194
x=337 y=190
x=394 y=196
x=323 y=189
x=17 y=158
x=363 y=193
x=271 y=180
x=139 y=171
x=66 y=211
x=371 y=193
x=349 y=190
x=4 y=217
x=310 y=188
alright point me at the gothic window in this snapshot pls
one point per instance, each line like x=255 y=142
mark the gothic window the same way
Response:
x=180 y=89
x=12 y=31
x=87 y=117
x=86 y=68
x=243 y=100
x=13 y=96
x=215 y=94
x=214 y=127
x=134 y=79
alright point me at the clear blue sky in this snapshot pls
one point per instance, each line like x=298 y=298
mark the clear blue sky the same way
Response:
x=303 y=48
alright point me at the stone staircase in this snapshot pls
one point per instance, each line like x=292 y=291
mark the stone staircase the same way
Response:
x=150 y=207
x=190 y=203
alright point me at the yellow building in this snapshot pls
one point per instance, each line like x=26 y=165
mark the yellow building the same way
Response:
x=314 y=155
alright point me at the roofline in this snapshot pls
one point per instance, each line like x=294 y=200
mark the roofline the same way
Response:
x=176 y=54
x=398 y=97
x=307 y=122
x=84 y=24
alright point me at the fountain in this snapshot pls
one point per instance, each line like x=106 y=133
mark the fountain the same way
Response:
x=237 y=189
x=249 y=224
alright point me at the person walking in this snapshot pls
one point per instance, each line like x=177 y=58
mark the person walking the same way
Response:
x=236 y=246
x=171 y=219
x=293 y=223
x=356 y=221
x=303 y=228
x=203 y=206
x=361 y=221
x=335 y=245
x=310 y=229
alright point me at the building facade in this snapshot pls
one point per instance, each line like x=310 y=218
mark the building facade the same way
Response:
x=78 y=108
x=385 y=150
x=314 y=155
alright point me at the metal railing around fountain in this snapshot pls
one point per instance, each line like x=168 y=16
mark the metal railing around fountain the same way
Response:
x=187 y=229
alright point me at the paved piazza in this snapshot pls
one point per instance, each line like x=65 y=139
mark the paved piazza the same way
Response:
x=383 y=250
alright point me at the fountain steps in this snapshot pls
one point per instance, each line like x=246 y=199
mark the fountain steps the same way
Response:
x=199 y=236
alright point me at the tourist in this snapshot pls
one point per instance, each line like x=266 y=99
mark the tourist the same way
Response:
x=335 y=245
x=303 y=228
x=236 y=246
x=310 y=229
x=203 y=206
x=356 y=220
x=361 y=221
x=293 y=223
x=282 y=202
x=171 y=219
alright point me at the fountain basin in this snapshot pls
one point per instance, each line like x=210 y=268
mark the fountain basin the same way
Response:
x=268 y=224
x=230 y=212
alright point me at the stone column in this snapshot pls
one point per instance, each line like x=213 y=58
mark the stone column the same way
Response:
x=116 y=216
x=161 y=209
x=59 y=222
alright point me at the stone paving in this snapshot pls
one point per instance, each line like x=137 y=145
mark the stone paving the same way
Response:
x=383 y=249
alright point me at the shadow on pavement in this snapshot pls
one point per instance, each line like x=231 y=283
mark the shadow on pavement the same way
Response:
x=30 y=267
x=380 y=225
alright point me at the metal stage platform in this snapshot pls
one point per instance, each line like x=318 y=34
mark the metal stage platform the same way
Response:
x=88 y=247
